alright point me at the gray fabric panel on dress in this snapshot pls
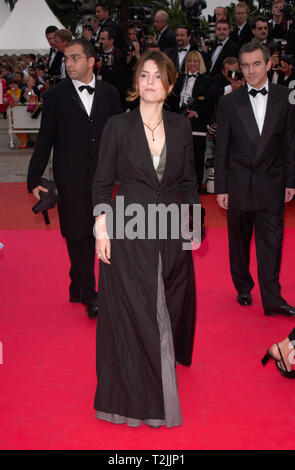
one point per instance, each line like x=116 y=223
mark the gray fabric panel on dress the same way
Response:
x=172 y=409
x=162 y=163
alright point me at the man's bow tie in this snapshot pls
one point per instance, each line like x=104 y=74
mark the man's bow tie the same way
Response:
x=90 y=89
x=192 y=75
x=220 y=43
x=183 y=49
x=254 y=92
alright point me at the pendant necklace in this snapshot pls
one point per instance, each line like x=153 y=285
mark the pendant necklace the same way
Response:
x=153 y=129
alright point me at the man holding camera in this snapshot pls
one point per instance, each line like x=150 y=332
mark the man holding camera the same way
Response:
x=255 y=175
x=74 y=114
x=229 y=80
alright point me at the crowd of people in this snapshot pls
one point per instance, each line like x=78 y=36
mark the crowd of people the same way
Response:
x=223 y=90
x=203 y=77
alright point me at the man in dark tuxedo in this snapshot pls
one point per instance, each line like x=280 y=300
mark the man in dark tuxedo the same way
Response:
x=223 y=48
x=166 y=38
x=242 y=33
x=103 y=14
x=74 y=114
x=54 y=59
x=178 y=54
x=255 y=175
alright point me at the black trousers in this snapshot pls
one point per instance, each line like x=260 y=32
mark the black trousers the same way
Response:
x=268 y=226
x=199 y=151
x=82 y=255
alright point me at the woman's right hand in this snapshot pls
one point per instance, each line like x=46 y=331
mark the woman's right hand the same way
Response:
x=103 y=243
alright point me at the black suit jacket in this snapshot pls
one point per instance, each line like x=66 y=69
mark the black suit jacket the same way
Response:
x=255 y=169
x=55 y=69
x=244 y=37
x=75 y=139
x=167 y=40
x=203 y=105
x=230 y=49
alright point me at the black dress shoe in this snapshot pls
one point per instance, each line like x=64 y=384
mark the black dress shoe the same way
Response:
x=92 y=310
x=244 y=299
x=286 y=310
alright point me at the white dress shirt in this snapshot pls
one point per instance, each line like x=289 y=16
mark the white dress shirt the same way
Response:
x=53 y=54
x=84 y=96
x=259 y=104
x=187 y=89
x=182 y=55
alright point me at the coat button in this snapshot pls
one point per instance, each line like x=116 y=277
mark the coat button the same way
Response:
x=158 y=193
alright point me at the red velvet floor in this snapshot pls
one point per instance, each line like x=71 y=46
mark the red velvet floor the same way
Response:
x=47 y=379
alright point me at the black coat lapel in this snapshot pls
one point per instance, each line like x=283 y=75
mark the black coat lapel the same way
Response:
x=75 y=97
x=247 y=117
x=270 y=121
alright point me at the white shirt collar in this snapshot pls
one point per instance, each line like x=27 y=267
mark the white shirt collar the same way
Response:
x=77 y=83
x=242 y=26
x=161 y=32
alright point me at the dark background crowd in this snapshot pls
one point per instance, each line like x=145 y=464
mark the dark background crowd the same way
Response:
x=207 y=64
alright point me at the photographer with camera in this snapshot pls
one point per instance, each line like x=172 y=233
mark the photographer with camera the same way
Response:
x=103 y=14
x=230 y=79
x=74 y=114
x=190 y=97
x=91 y=31
x=111 y=63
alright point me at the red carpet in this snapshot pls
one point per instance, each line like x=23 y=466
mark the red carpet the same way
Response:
x=47 y=379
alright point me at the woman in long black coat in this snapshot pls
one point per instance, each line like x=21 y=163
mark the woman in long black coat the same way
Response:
x=146 y=285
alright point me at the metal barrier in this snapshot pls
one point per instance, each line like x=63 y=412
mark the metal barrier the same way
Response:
x=21 y=121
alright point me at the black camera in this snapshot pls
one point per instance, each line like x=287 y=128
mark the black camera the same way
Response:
x=88 y=27
x=209 y=43
x=190 y=106
x=48 y=199
x=130 y=47
x=235 y=75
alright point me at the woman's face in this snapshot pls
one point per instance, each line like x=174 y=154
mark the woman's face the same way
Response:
x=193 y=65
x=150 y=85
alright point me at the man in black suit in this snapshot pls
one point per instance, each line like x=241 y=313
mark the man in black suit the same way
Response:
x=166 y=38
x=242 y=33
x=223 y=48
x=53 y=64
x=255 y=175
x=178 y=54
x=74 y=114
